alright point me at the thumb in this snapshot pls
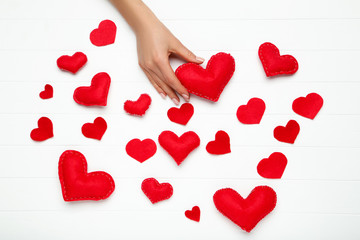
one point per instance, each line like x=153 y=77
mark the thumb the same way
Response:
x=186 y=54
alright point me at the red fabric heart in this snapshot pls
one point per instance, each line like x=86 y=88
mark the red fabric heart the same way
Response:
x=272 y=167
x=155 y=191
x=138 y=107
x=210 y=82
x=77 y=184
x=221 y=145
x=96 y=94
x=141 y=150
x=308 y=106
x=179 y=147
x=181 y=115
x=193 y=214
x=288 y=133
x=105 y=34
x=72 y=63
x=94 y=130
x=47 y=93
x=274 y=63
x=252 y=112
x=44 y=130
x=248 y=212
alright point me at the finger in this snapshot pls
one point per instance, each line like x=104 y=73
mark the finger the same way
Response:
x=169 y=91
x=186 y=54
x=156 y=86
x=173 y=81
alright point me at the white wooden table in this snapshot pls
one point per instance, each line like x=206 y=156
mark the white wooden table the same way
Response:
x=318 y=196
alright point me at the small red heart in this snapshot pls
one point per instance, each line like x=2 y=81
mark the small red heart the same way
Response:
x=221 y=145
x=288 y=133
x=181 y=115
x=94 y=130
x=274 y=63
x=44 y=130
x=210 y=82
x=308 y=106
x=138 y=107
x=47 y=93
x=141 y=150
x=96 y=94
x=193 y=214
x=104 y=34
x=72 y=63
x=179 y=147
x=252 y=112
x=272 y=167
x=77 y=184
x=248 y=212
x=155 y=191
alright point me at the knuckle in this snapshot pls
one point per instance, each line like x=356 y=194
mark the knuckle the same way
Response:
x=148 y=64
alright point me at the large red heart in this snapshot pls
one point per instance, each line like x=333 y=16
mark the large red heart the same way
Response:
x=138 y=107
x=252 y=112
x=272 y=167
x=47 y=93
x=221 y=145
x=72 y=63
x=288 y=133
x=104 y=34
x=193 y=214
x=248 y=212
x=155 y=191
x=210 y=82
x=274 y=63
x=77 y=184
x=141 y=150
x=181 y=115
x=179 y=147
x=308 y=106
x=96 y=94
x=44 y=130
x=94 y=130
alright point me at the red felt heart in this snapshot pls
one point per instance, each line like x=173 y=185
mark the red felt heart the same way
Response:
x=77 y=184
x=96 y=94
x=141 y=150
x=252 y=112
x=210 y=82
x=181 y=115
x=193 y=214
x=104 y=34
x=94 y=130
x=155 y=191
x=179 y=147
x=47 y=93
x=272 y=167
x=72 y=63
x=44 y=130
x=139 y=106
x=308 y=106
x=221 y=145
x=248 y=212
x=274 y=63
x=288 y=133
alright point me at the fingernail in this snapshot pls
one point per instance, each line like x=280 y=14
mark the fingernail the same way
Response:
x=175 y=101
x=186 y=97
x=200 y=59
x=163 y=95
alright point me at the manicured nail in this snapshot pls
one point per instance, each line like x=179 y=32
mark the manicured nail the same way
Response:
x=175 y=101
x=163 y=95
x=186 y=97
x=200 y=59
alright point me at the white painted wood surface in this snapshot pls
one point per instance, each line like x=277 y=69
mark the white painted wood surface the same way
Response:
x=318 y=196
